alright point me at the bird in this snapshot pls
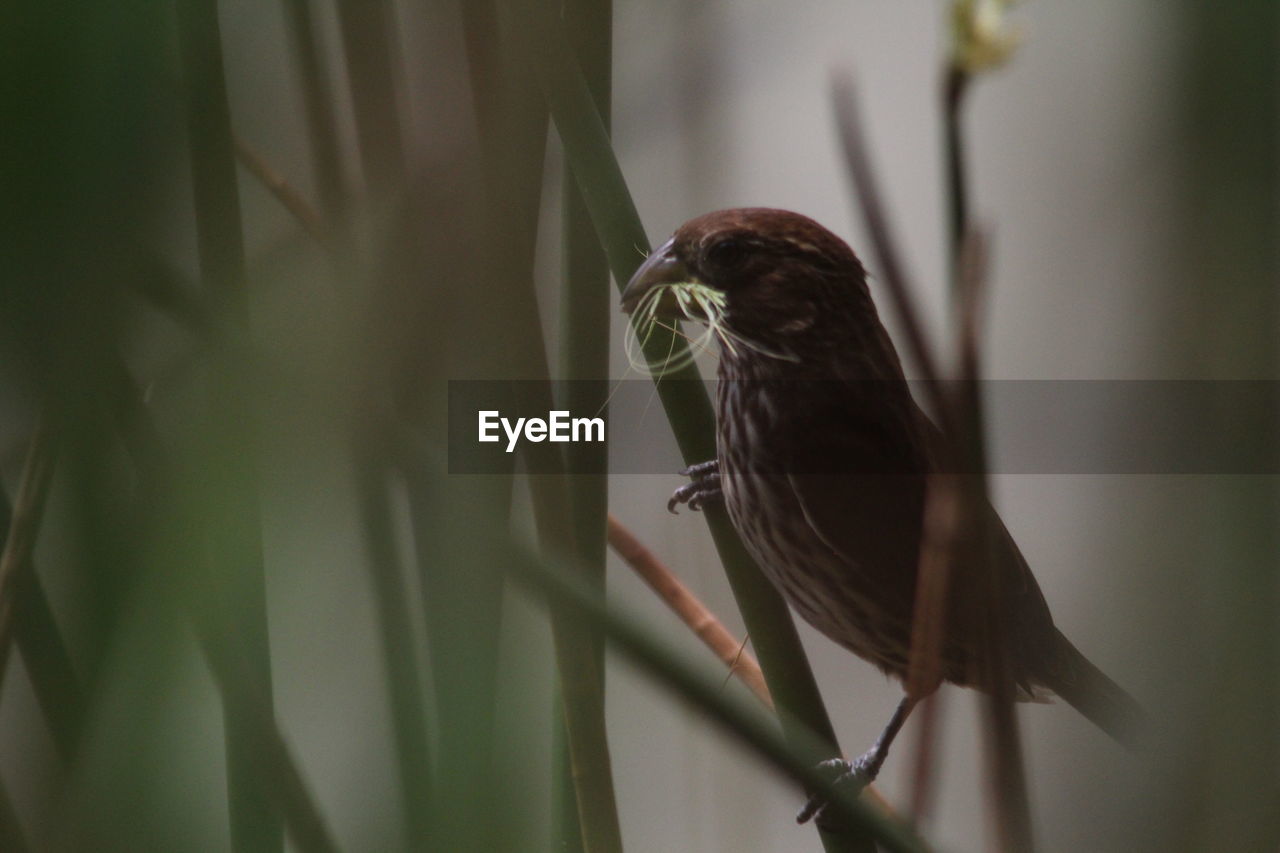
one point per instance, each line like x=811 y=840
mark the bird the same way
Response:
x=823 y=459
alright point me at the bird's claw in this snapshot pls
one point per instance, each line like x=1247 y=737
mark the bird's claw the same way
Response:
x=702 y=489
x=849 y=775
x=701 y=469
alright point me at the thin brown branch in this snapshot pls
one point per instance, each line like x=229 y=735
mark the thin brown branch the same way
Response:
x=701 y=620
x=689 y=608
x=961 y=422
x=945 y=506
x=942 y=497
x=937 y=554
x=938 y=549
x=941 y=541
x=972 y=271
x=285 y=192
x=1007 y=774
x=28 y=511
x=901 y=291
x=317 y=99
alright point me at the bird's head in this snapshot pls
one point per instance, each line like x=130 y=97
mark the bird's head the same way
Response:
x=759 y=278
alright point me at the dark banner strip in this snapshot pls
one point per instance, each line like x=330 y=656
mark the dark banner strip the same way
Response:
x=1036 y=426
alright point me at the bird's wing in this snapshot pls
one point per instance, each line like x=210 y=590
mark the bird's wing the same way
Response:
x=867 y=505
x=1036 y=652
x=859 y=477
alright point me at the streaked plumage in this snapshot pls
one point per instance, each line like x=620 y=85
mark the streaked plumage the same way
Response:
x=823 y=458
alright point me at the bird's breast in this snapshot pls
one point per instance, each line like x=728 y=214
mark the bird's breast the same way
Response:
x=835 y=594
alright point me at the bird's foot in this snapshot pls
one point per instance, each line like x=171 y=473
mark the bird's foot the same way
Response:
x=852 y=776
x=702 y=489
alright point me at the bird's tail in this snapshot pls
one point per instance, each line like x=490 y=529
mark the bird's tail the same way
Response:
x=1105 y=703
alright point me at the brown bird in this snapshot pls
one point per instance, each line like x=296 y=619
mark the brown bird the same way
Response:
x=823 y=457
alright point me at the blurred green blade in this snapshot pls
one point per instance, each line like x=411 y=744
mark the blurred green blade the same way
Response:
x=617 y=224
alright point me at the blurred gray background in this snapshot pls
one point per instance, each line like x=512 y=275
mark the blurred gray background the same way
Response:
x=724 y=104
x=721 y=104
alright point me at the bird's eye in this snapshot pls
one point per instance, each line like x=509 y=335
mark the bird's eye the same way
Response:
x=727 y=254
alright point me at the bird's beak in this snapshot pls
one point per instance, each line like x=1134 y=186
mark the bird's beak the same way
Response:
x=661 y=267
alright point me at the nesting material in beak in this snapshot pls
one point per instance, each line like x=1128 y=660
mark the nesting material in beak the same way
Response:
x=662 y=269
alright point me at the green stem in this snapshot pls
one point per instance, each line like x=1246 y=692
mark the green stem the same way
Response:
x=585 y=307
x=24 y=525
x=44 y=652
x=318 y=101
x=12 y=838
x=955 y=87
x=1224 y=301
x=369 y=48
x=617 y=224
x=581 y=678
x=1005 y=763
x=398 y=644
x=386 y=571
x=230 y=471
x=704 y=689
x=512 y=123
x=228 y=651
x=462 y=609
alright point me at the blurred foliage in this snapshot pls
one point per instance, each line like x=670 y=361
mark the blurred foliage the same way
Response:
x=226 y=436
